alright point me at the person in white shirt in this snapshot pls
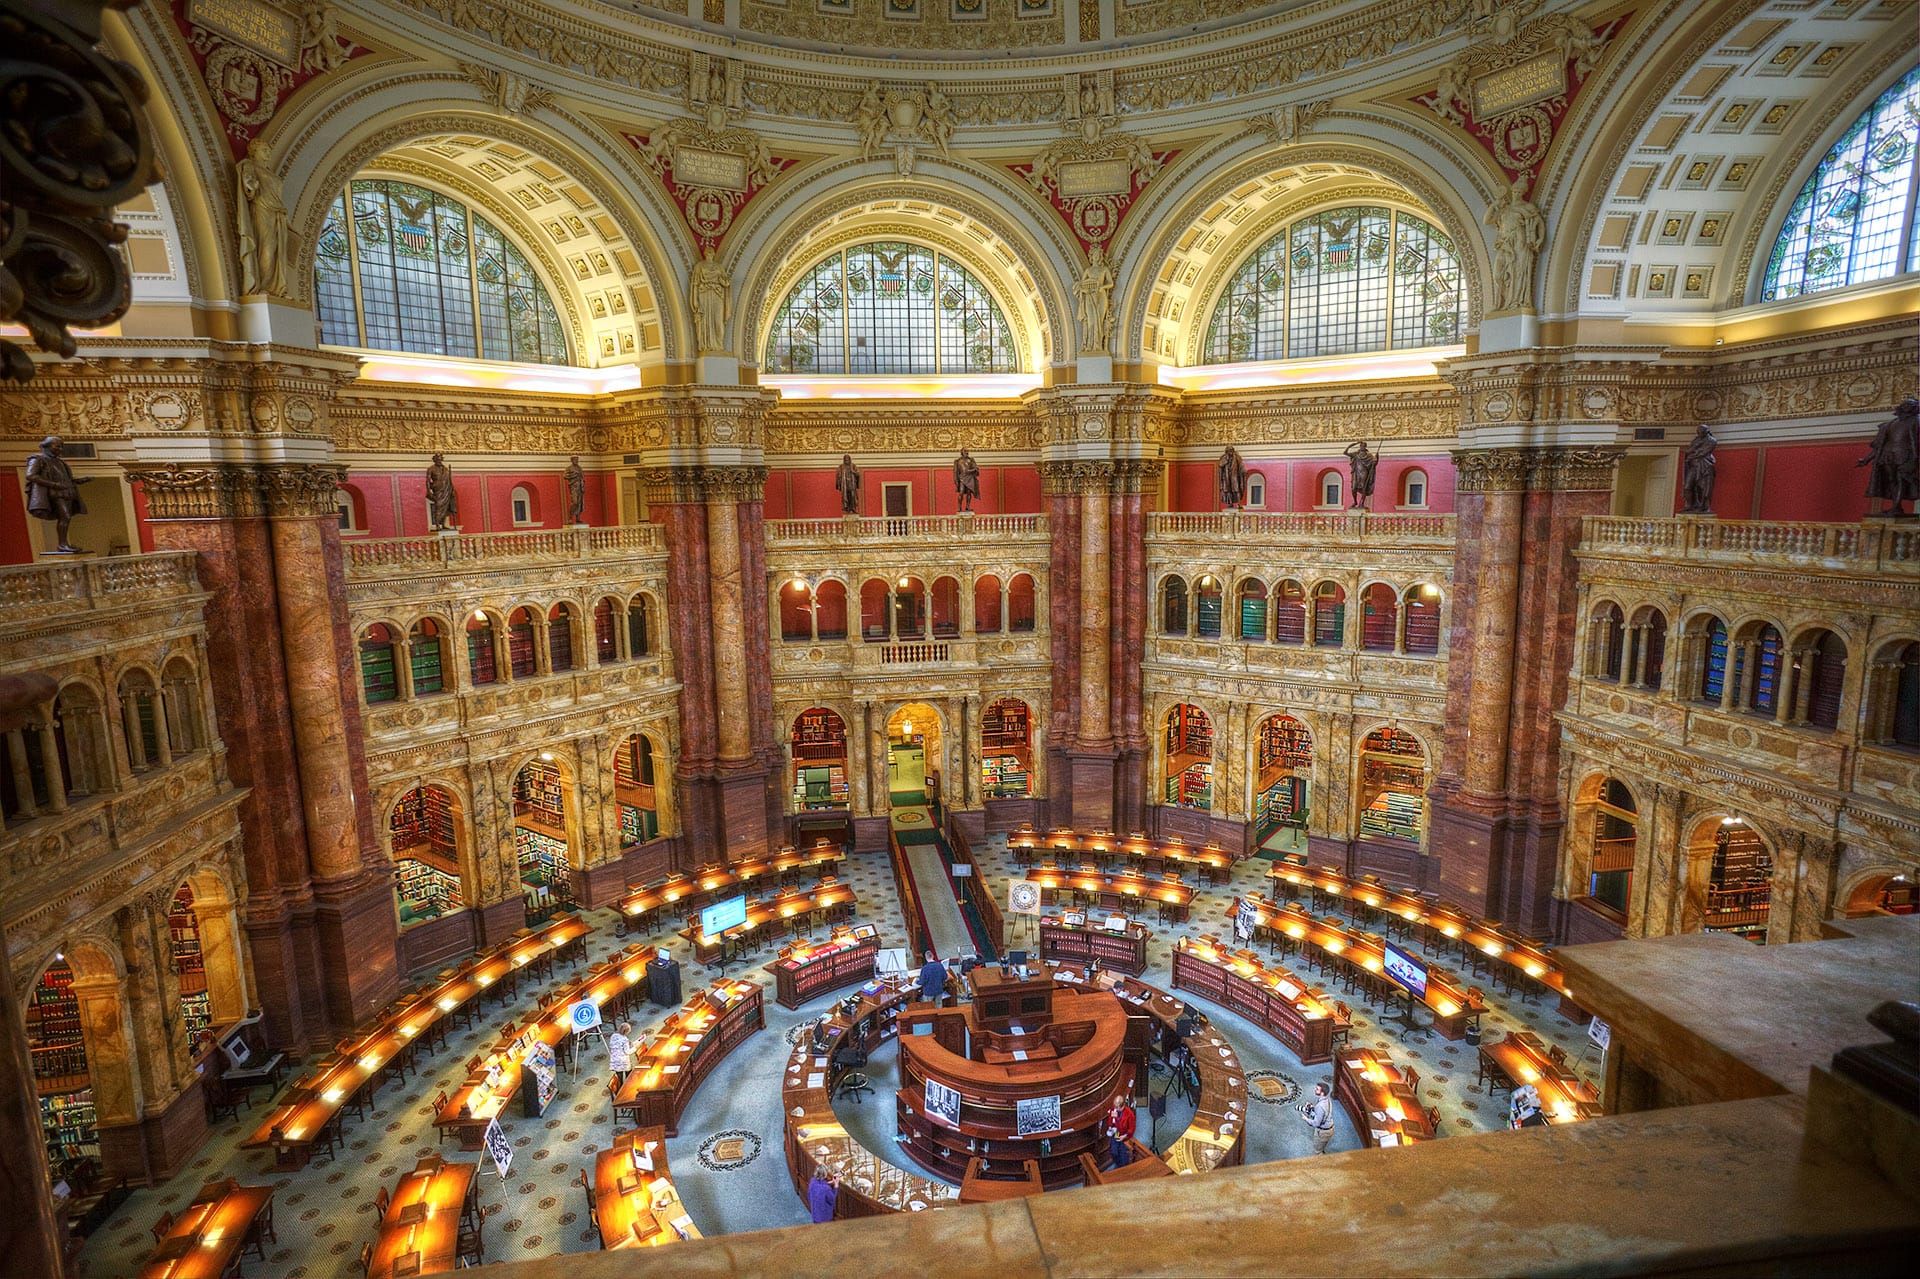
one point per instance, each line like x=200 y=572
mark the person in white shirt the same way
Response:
x=1319 y=1115
x=620 y=1051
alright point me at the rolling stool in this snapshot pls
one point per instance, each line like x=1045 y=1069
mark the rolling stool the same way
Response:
x=853 y=1084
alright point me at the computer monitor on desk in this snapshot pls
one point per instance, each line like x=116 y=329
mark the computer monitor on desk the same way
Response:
x=1408 y=973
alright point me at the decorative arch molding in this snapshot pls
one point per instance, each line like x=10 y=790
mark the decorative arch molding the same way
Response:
x=325 y=151
x=774 y=239
x=1638 y=81
x=1435 y=181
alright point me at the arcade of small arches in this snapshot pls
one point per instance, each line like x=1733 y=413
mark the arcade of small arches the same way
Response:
x=907 y=608
x=1309 y=612
x=504 y=644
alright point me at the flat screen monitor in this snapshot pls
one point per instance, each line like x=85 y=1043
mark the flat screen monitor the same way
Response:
x=1017 y=958
x=1409 y=972
x=721 y=916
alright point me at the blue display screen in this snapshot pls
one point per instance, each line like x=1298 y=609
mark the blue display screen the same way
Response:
x=721 y=916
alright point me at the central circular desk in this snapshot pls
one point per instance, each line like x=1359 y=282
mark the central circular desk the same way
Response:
x=1092 y=1043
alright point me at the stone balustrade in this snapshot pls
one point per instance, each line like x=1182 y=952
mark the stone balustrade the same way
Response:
x=55 y=588
x=1313 y=528
x=1871 y=546
x=943 y=530
x=401 y=556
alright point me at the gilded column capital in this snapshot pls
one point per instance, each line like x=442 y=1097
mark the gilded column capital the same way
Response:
x=1573 y=469
x=302 y=490
x=1554 y=470
x=672 y=485
x=217 y=491
x=1492 y=470
x=1126 y=475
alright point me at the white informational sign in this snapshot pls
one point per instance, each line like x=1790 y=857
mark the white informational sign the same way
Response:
x=892 y=959
x=1023 y=897
x=961 y=870
x=496 y=1143
x=1245 y=920
x=1600 y=1033
x=541 y=1065
x=583 y=1016
x=1034 y=1116
x=943 y=1103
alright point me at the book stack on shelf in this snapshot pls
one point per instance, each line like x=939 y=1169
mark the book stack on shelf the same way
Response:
x=543 y=864
x=1005 y=748
x=377 y=674
x=1393 y=782
x=633 y=791
x=1285 y=747
x=1740 y=885
x=819 y=736
x=1290 y=614
x=1423 y=625
x=426 y=863
x=60 y=1068
x=537 y=798
x=184 y=927
x=1392 y=812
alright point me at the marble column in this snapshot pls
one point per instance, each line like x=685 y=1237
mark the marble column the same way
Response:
x=723 y=602
x=857 y=766
x=216 y=511
x=30 y=1232
x=353 y=899
x=970 y=750
x=50 y=760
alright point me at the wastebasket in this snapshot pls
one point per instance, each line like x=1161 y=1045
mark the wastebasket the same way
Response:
x=663 y=981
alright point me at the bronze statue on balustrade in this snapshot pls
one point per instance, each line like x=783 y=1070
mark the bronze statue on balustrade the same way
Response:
x=1232 y=475
x=1895 y=459
x=847 y=480
x=576 y=492
x=443 y=504
x=1697 y=473
x=1362 y=464
x=53 y=492
x=966 y=480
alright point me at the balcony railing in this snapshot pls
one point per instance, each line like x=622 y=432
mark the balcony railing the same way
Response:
x=395 y=556
x=75 y=586
x=941 y=527
x=1863 y=547
x=1307 y=527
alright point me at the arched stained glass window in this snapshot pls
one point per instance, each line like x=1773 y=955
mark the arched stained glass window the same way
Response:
x=1339 y=282
x=1853 y=220
x=426 y=266
x=890 y=307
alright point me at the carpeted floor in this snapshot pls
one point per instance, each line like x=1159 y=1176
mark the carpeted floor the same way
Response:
x=727 y=1162
x=945 y=928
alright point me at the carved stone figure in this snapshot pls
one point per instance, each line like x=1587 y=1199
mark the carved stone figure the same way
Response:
x=870 y=120
x=1284 y=124
x=939 y=118
x=1095 y=294
x=710 y=303
x=320 y=48
x=1362 y=463
x=1696 y=473
x=966 y=480
x=1518 y=233
x=53 y=493
x=576 y=492
x=260 y=218
x=1232 y=474
x=1895 y=459
x=847 y=480
x=443 y=505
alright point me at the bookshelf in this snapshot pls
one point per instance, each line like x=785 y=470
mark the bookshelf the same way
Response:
x=480 y=654
x=426 y=857
x=423 y=653
x=1284 y=803
x=633 y=790
x=60 y=1075
x=1329 y=617
x=820 y=786
x=1192 y=787
x=538 y=797
x=1006 y=750
x=520 y=645
x=1003 y=776
x=1393 y=785
x=1290 y=614
x=184 y=929
x=543 y=864
x=377 y=675
x=1715 y=679
x=1423 y=625
x=1189 y=732
x=1740 y=884
x=1253 y=618
x=819 y=736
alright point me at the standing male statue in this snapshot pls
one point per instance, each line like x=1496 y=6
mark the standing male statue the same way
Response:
x=53 y=493
x=576 y=492
x=442 y=503
x=1232 y=473
x=847 y=480
x=1697 y=473
x=1362 y=463
x=1895 y=459
x=966 y=480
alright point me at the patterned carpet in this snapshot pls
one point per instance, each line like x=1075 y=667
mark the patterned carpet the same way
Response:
x=727 y=1163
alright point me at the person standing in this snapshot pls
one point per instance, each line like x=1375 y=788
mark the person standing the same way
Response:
x=933 y=979
x=1319 y=1116
x=620 y=1051
x=823 y=1195
x=1119 y=1126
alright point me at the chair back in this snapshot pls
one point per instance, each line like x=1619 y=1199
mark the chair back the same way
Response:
x=382 y=1200
x=1413 y=1079
x=366 y=1258
x=161 y=1226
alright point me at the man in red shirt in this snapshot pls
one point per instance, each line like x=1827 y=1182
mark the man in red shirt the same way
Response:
x=1118 y=1125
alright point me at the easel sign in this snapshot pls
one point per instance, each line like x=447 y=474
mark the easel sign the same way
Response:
x=584 y=1016
x=496 y=1145
x=1600 y=1033
x=1245 y=920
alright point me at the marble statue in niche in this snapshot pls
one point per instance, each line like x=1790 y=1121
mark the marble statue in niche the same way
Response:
x=1095 y=295
x=1518 y=233
x=260 y=218
x=709 y=289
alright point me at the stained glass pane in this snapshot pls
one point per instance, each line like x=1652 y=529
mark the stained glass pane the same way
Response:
x=890 y=307
x=423 y=259
x=333 y=280
x=1341 y=260
x=1323 y=286
x=1845 y=227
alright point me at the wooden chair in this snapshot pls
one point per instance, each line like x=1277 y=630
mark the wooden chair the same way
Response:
x=382 y=1201
x=1342 y=1024
x=1413 y=1079
x=471 y=1245
x=586 y=1187
x=161 y=1227
x=1433 y=1120
x=329 y=1138
x=473 y=1065
x=1557 y=1055
x=1493 y=1076
x=366 y=1258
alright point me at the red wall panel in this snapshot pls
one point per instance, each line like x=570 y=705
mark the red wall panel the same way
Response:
x=1814 y=482
x=1735 y=471
x=16 y=542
